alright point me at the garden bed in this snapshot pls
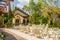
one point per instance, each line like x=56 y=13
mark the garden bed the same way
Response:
x=2 y=36
x=6 y=36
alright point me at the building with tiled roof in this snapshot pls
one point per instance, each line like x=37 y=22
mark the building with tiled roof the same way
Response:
x=21 y=17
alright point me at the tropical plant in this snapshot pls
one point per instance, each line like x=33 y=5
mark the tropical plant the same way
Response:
x=43 y=13
x=2 y=36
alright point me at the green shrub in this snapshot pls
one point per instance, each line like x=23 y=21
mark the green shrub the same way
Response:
x=2 y=36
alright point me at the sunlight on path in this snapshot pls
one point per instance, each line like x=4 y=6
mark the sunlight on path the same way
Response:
x=23 y=35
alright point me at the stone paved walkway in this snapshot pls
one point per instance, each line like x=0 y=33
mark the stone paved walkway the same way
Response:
x=20 y=35
x=11 y=35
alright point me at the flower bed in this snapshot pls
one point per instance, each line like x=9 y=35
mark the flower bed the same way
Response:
x=2 y=36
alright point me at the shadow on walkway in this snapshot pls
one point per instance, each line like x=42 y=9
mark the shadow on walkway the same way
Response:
x=8 y=36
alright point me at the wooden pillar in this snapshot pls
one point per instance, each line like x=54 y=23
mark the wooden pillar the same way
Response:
x=25 y=21
x=14 y=22
x=1 y=22
x=8 y=4
x=21 y=20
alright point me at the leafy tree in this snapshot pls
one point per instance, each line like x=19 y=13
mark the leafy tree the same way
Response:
x=32 y=17
x=9 y=18
x=43 y=13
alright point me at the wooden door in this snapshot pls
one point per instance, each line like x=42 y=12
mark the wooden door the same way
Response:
x=17 y=22
x=1 y=23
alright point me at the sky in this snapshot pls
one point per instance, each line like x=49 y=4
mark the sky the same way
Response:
x=21 y=3
x=59 y=3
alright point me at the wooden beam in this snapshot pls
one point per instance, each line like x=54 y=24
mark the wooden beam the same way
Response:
x=2 y=4
x=7 y=0
x=2 y=1
x=6 y=4
x=10 y=0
